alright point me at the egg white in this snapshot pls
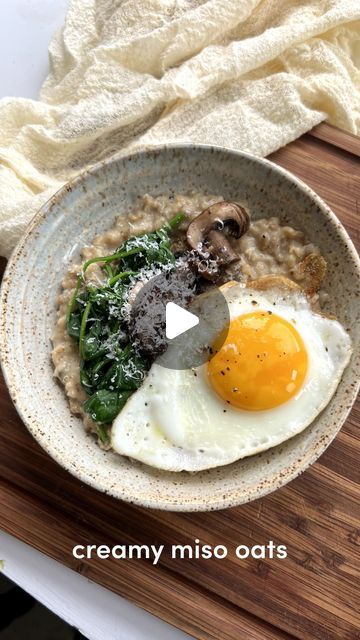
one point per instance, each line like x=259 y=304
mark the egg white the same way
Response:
x=176 y=421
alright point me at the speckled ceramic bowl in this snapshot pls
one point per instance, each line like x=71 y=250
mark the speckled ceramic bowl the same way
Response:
x=88 y=206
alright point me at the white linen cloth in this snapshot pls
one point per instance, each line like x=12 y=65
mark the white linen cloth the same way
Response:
x=248 y=74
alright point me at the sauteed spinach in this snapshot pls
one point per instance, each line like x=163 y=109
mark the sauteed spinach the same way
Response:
x=110 y=368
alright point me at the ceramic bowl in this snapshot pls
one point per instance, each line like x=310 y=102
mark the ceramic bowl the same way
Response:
x=70 y=220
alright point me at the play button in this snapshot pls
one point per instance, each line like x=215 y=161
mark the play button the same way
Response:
x=178 y=320
x=175 y=324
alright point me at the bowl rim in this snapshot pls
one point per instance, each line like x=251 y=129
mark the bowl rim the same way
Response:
x=230 y=497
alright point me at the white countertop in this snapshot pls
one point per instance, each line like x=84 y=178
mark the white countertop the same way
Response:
x=26 y=27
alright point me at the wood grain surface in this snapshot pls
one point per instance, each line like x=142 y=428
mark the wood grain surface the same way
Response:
x=312 y=594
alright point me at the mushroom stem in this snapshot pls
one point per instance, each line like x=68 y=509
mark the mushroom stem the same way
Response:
x=223 y=251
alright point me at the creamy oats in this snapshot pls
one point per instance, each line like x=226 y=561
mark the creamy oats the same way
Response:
x=267 y=248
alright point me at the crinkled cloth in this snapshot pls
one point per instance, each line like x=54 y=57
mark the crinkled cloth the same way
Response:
x=249 y=74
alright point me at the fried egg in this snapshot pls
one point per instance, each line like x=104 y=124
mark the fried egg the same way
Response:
x=277 y=369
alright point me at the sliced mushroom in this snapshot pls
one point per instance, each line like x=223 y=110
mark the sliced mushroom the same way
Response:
x=207 y=235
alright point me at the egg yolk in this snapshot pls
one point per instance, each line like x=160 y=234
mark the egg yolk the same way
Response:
x=262 y=363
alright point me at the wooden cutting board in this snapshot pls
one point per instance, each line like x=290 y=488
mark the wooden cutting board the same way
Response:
x=313 y=593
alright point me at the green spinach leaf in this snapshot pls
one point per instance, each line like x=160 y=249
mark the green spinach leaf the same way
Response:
x=103 y=406
x=74 y=324
x=110 y=371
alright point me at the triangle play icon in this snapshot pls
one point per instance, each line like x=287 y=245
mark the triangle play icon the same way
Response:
x=178 y=320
